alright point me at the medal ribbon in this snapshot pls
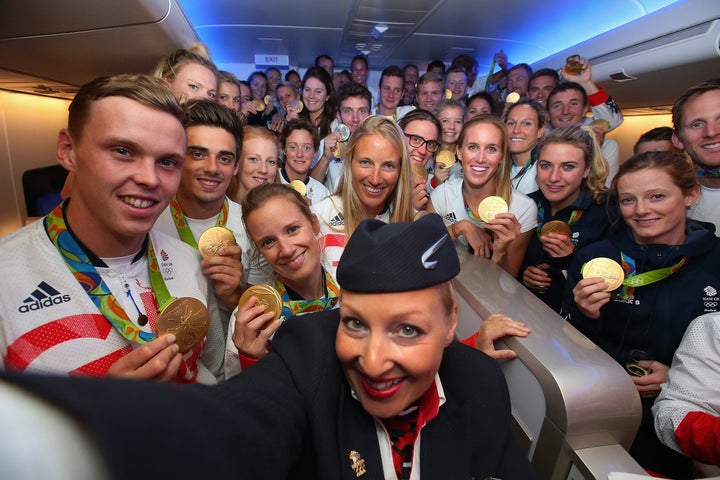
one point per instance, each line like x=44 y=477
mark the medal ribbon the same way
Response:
x=527 y=165
x=182 y=226
x=633 y=281
x=85 y=273
x=714 y=173
x=574 y=217
x=470 y=212
x=292 y=308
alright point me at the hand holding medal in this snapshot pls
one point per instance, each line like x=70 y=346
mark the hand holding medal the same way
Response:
x=600 y=277
x=255 y=321
x=555 y=237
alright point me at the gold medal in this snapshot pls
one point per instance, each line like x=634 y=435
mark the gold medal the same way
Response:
x=267 y=296
x=445 y=157
x=213 y=239
x=448 y=94
x=299 y=186
x=556 y=226
x=607 y=269
x=188 y=319
x=512 y=97
x=268 y=99
x=259 y=105
x=419 y=172
x=490 y=207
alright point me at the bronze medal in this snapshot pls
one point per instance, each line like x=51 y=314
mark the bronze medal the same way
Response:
x=267 y=296
x=296 y=106
x=556 y=226
x=188 y=319
x=213 y=239
x=491 y=206
x=607 y=269
x=299 y=186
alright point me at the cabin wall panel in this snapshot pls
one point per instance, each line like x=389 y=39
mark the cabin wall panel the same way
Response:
x=29 y=125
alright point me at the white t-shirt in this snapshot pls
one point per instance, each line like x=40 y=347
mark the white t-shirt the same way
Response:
x=526 y=182
x=707 y=208
x=254 y=271
x=448 y=202
x=316 y=191
x=332 y=231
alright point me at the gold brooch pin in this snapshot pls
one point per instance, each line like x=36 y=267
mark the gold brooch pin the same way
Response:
x=358 y=463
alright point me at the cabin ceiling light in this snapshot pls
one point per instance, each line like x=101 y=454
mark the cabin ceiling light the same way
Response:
x=378 y=31
x=366 y=52
x=360 y=46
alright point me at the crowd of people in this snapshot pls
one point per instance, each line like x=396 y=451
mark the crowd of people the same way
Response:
x=346 y=198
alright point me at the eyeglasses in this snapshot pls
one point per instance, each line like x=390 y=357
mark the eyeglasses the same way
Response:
x=416 y=141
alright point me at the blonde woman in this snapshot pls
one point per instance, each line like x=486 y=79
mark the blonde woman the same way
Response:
x=571 y=174
x=484 y=153
x=375 y=183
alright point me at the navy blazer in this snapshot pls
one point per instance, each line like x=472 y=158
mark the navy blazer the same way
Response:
x=291 y=415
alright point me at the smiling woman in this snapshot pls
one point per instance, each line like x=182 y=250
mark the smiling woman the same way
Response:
x=670 y=267
x=258 y=162
x=375 y=183
x=483 y=150
x=283 y=229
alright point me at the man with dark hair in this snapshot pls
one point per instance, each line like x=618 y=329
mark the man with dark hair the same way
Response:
x=325 y=61
x=391 y=93
x=436 y=66
x=470 y=65
x=429 y=91
x=83 y=286
x=411 y=73
x=659 y=139
x=211 y=161
x=696 y=119
x=354 y=100
x=570 y=105
x=456 y=80
x=541 y=84
x=518 y=79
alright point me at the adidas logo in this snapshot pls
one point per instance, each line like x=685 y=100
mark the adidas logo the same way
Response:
x=337 y=221
x=450 y=217
x=44 y=296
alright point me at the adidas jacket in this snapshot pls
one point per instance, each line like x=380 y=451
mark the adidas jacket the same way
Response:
x=48 y=324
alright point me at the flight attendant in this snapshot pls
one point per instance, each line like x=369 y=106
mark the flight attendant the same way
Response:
x=376 y=389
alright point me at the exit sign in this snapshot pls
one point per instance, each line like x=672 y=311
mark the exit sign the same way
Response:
x=264 y=59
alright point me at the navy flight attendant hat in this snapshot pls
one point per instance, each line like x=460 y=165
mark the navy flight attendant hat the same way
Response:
x=398 y=257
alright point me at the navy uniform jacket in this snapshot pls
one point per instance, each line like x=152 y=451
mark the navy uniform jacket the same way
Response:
x=593 y=225
x=291 y=415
